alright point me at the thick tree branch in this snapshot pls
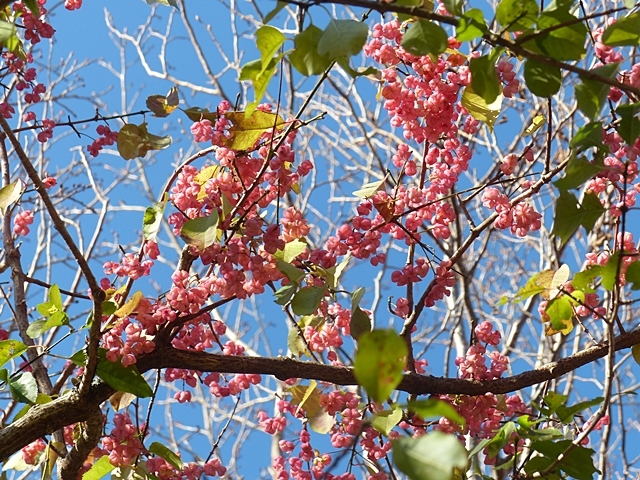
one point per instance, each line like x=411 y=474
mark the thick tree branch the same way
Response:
x=72 y=408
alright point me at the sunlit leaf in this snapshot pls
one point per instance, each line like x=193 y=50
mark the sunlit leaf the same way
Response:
x=246 y=130
x=195 y=114
x=537 y=122
x=479 y=109
x=537 y=284
x=10 y=349
x=624 y=32
x=101 y=468
x=9 y=195
x=560 y=312
x=386 y=420
x=292 y=272
x=433 y=456
x=484 y=78
x=268 y=40
x=435 y=408
x=131 y=305
x=379 y=362
x=517 y=15
x=629 y=126
x=121 y=400
x=153 y=219
x=7 y=30
x=369 y=189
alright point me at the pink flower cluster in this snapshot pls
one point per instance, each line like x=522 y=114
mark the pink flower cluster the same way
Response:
x=22 y=221
x=131 y=267
x=123 y=444
x=521 y=218
x=106 y=138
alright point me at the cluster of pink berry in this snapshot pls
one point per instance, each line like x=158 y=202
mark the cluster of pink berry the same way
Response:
x=106 y=138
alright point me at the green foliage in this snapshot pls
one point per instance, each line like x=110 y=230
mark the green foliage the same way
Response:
x=471 y=25
x=629 y=126
x=576 y=461
x=557 y=36
x=379 y=362
x=117 y=376
x=425 y=38
x=201 y=232
x=100 y=469
x=570 y=214
x=153 y=219
x=484 y=78
x=305 y=57
x=24 y=388
x=54 y=314
x=136 y=141
x=161 y=450
x=9 y=349
x=625 y=31
x=360 y=322
x=591 y=94
x=579 y=170
x=543 y=80
x=589 y=135
x=307 y=300
x=435 y=408
x=479 y=109
x=7 y=30
x=517 y=15
x=342 y=38
x=496 y=443
x=434 y=456
x=386 y=420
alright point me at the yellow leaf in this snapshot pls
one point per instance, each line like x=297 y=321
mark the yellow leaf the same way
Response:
x=479 y=109
x=535 y=125
x=307 y=397
x=129 y=307
x=120 y=400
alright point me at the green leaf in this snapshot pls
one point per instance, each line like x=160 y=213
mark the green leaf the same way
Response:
x=579 y=171
x=7 y=30
x=386 y=420
x=517 y=15
x=268 y=40
x=562 y=43
x=471 y=25
x=305 y=57
x=24 y=388
x=425 y=37
x=590 y=135
x=295 y=343
x=625 y=32
x=379 y=362
x=635 y=351
x=342 y=38
x=560 y=312
x=10 y=349
x=434 y=456
x=284 y=294
x=566 y=414
x=135 y=141
x=101 y=468
x=359 y=324
x=307 y=300
x=33 y=7
x=9 y=194
x=163 y=105
x=153 y=219
x=369 y=71
x=570 y=216
x=543 y=80
x=629 y=126
x=260 y=78
x=291 y=250
x=38 y=327
x=292 y=272
x=435 y=408
x=370 y=189
x=162 y=451
x=484 y=78
x=591 y=94
x=201 y=232
x=272 y=14
x=454 y=7
x=479 y=109
x=117 y=376
x=578 y=463
x=497 y=442
x=632 y=275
